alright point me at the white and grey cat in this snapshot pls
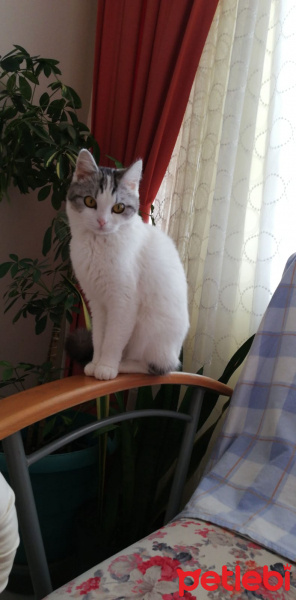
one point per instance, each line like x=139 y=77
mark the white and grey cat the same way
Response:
x=130 y=273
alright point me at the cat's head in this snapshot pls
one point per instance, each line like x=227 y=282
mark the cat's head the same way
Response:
x=105 y=198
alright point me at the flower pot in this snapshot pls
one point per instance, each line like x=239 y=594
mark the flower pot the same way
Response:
x=61 y=484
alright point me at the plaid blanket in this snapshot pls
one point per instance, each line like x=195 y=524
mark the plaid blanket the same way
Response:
x=250 y=486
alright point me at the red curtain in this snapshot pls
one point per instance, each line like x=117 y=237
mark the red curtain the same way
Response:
x=146 y=57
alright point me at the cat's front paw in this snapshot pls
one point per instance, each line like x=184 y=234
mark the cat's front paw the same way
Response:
x=89 y=369
x=93 y=369
x=105 y=372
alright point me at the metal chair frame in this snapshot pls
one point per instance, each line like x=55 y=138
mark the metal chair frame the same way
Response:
x=30 y=406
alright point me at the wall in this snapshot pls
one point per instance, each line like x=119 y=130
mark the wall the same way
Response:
x=65 y=31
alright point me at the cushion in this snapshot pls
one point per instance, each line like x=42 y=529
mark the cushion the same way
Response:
x=250 y=481
x=153 y=568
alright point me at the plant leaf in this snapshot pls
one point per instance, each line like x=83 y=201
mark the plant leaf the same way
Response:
x=47 y=241
x=44 y=100
x=62 y=167
x=5 y=363
x=11 y=63
x=44 y=193
x=47 y=70
x=117 y=163
x=69 y=94
x=10 y=84
x=4 y=268
x=40 y=325
x=236 y=360
x=7 y=373
x=31 y=76
x=25 y=88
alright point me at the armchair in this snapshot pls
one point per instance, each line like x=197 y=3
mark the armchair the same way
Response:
x=23 y=409
x=236 y=537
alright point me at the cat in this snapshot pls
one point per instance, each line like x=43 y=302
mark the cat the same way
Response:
x=130 y=273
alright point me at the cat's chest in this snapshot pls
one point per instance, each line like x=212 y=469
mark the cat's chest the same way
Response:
x=99 y=263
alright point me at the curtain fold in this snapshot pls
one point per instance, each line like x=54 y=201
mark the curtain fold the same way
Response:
x=146 y=57
x=228 y=198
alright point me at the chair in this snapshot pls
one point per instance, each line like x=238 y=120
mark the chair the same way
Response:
x=23 y=409
x=236 y=537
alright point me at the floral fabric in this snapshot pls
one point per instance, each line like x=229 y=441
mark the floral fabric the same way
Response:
x=147 y=570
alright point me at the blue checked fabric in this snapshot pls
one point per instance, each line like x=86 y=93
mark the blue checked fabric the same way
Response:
x=250 y=486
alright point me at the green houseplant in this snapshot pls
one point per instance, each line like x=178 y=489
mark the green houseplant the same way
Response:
x=40 y=132
x=40 y=137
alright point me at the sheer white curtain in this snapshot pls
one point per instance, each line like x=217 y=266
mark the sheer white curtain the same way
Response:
x=229 y=195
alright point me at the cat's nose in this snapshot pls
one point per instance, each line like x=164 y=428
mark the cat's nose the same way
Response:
x=102 y=222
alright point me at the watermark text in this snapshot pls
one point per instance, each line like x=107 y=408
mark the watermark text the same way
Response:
x=250 y=580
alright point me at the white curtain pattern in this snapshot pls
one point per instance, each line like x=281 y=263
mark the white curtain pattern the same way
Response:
x=229 y=195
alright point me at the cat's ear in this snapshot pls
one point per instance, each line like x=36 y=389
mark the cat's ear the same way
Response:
x=132 y=176
x=85 y=165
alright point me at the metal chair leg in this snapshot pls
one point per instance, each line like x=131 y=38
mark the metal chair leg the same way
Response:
x=184 y=456
x=27 y=514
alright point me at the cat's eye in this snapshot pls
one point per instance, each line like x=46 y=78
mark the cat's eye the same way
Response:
x=118 y=208
x=90 y=202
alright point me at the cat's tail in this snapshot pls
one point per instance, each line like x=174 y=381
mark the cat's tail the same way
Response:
x=79 y=346
x=137 y=366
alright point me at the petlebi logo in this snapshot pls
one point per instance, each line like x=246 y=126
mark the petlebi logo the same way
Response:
x=250 y=580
